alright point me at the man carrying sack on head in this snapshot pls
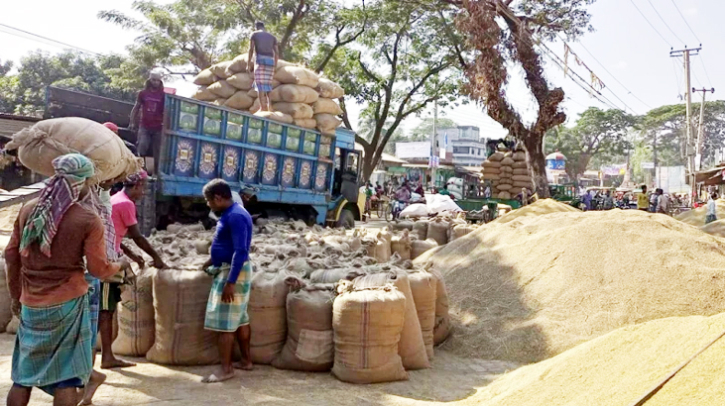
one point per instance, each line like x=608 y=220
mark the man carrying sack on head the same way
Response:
x=265 y=46
x=226 y=310
x=45 y=271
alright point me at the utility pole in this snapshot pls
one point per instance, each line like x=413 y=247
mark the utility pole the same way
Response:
x=701 y=130
x=433 y=152
x=690 y=150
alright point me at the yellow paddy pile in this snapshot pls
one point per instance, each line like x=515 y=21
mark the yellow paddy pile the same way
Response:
x=716 y=228
x=8 y=216
x=621 y=367
x=538 y=208
x=697 y=216
x=535 y=286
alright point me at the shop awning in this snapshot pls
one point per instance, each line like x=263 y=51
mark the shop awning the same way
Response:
x=392 y=159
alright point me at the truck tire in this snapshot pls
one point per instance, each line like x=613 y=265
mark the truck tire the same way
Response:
x=346 y=220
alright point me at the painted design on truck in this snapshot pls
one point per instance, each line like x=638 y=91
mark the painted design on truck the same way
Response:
x=251 y=163
x=288 y=172
x=184 y=156
x=305 y=174
x=231 y=162
x=270 y=169
x=321 y=178
x=207 y=166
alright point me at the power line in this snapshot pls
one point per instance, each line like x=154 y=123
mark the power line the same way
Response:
x=685 y=20
x=705 y=69
x=47 y=39
x=650 y=24
x=665 y=22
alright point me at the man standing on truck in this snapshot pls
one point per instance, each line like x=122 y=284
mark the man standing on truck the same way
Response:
x=265 y=46
x=226 y=310
x=150 y=102
x=123 y=214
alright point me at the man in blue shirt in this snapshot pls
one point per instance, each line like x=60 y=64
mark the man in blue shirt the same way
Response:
x=226 y=310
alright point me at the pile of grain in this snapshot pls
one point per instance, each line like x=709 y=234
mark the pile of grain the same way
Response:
x=696 y=217
x=622 y=366
x=538 y=208
x=8 y=216
x=716 y=228
x=530 y=288
x=508 y=172
x=299 y=95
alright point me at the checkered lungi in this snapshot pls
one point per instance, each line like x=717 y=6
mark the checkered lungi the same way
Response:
x=53 y=346
x=263 y=73
x=228 y=317
x=94 y=305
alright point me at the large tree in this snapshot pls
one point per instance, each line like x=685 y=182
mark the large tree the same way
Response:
x=505 y=33
x=597 y=133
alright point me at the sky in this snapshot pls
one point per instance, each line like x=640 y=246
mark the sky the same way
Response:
x=629 y=52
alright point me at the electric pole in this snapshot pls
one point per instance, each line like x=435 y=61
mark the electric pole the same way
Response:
x=701 y=130
x=433 y=152
x=690 y=150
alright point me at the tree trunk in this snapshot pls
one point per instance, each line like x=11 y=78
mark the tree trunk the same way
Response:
x=534 y=144
x=368 y=165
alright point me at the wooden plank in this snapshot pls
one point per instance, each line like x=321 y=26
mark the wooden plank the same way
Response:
x=68 y=103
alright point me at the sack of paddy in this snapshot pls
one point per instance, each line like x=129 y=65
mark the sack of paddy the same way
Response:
x=442 y=328
x=334 y=275
x=504 y=195
x=415 y=210
x=180 y=299
x=380 y=249
x=294 y=94
x=136 y=317
x=241 y=81
x=326 y=106
x=420 y=228
x=222 y=89
x=327 y=123
x=402 y=225
x=329 y=89
x=239 y=64
x=239 y=100
x=297 y=75
x=496 y=157
x=267 y=315
x=6 y=313
x=461 y=230
x=276 y=116
x=221 y=69
x=423 y=285
x=295 y=110
x=308 y=123
x=203 y=94
x=309 y=346
x=219 y=102
x=205 y=78
x=367 y=325
x=438 y=231
x=48 y=139
x=418 y=247
x=411 y=347
x=401 y=245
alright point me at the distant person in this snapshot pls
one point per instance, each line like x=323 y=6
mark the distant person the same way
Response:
x=150 y=103
x=419 y=190
x=662 y=202
x=444 y=191
x=524 y=196
x=265 y=46
x=403 y=193
x=113 y=127
x=711 y=209
x=643 y=200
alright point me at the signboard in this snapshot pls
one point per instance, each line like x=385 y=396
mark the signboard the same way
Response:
x=555 y=164
x=434 y=161
x=648 y=165
x=405 y=150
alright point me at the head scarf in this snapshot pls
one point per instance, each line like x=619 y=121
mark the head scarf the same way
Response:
x=136 y=177
x=61 y=191
x=111 y=126
x=248 y=190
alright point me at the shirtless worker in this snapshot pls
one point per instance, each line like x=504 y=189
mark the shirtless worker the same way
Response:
x=265 y=46
x=226 y=310
x=45 y=270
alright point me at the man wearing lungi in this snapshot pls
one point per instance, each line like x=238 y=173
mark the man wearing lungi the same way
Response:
x=265 y=46
x=45 y=274
x=226 y=309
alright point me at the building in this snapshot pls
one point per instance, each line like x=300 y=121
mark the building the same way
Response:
x=464 y=144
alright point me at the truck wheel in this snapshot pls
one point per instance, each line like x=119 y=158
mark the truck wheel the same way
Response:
x=346 y=220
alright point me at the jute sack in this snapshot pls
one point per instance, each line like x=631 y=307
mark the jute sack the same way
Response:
x=488 y=176
x=297 y=75
x=6 y=313
x=419 y=247
x=240 y=101
x=180 y=299
x=48 y=139
x=205 y=78
x=276 y=116
x=136 y=317
x=326 y=106
x=420 y=228
x=520 y=165
x=521 y=171
x=507 y=162
x=242 y=81
x=380 y=250
x=504 y=195
x=442 y=328
x=254 y=93
x=504 y=187
x=308 y=123
x=491 y=164
x=239 y=64
x=367 y=325
x=222 y=89
x=294 y=94
x=296 y=110
x=327 y=123
x=334 y=275
x=220 y=69
x=400 y=244
x=256 y=106
x=267 y=315
x=402 y=225
x=204 y=94
x=329 y=89
x=460 y=231
x=411 y=347
x=423 y=286
x=438 y=231
x=521 y=178
x=219 y=102
x=496 y=157
x=519 y=156
x=309 y=346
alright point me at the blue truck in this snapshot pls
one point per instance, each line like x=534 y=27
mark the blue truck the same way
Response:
x=298 y=173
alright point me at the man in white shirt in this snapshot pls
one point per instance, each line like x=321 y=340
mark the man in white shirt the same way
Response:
x=711 y=209
x=662 y=202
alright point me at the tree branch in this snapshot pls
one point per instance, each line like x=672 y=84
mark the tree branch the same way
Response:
x=299 y=13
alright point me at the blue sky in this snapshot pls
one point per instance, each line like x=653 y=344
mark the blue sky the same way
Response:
x=625 y=47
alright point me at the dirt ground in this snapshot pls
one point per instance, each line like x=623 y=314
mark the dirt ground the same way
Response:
x=451 y=379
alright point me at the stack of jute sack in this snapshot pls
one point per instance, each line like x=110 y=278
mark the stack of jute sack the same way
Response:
x=301 y=315
x=299 y=95
x=428 y=233
x=508 y=172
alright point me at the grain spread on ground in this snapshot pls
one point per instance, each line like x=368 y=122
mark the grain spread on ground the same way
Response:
x=696 y=217
x=530 y=288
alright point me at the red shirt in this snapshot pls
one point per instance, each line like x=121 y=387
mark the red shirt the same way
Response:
x=152 y=111
x=123 y=215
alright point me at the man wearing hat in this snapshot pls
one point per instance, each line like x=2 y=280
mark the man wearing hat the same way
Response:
x=150 y=102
